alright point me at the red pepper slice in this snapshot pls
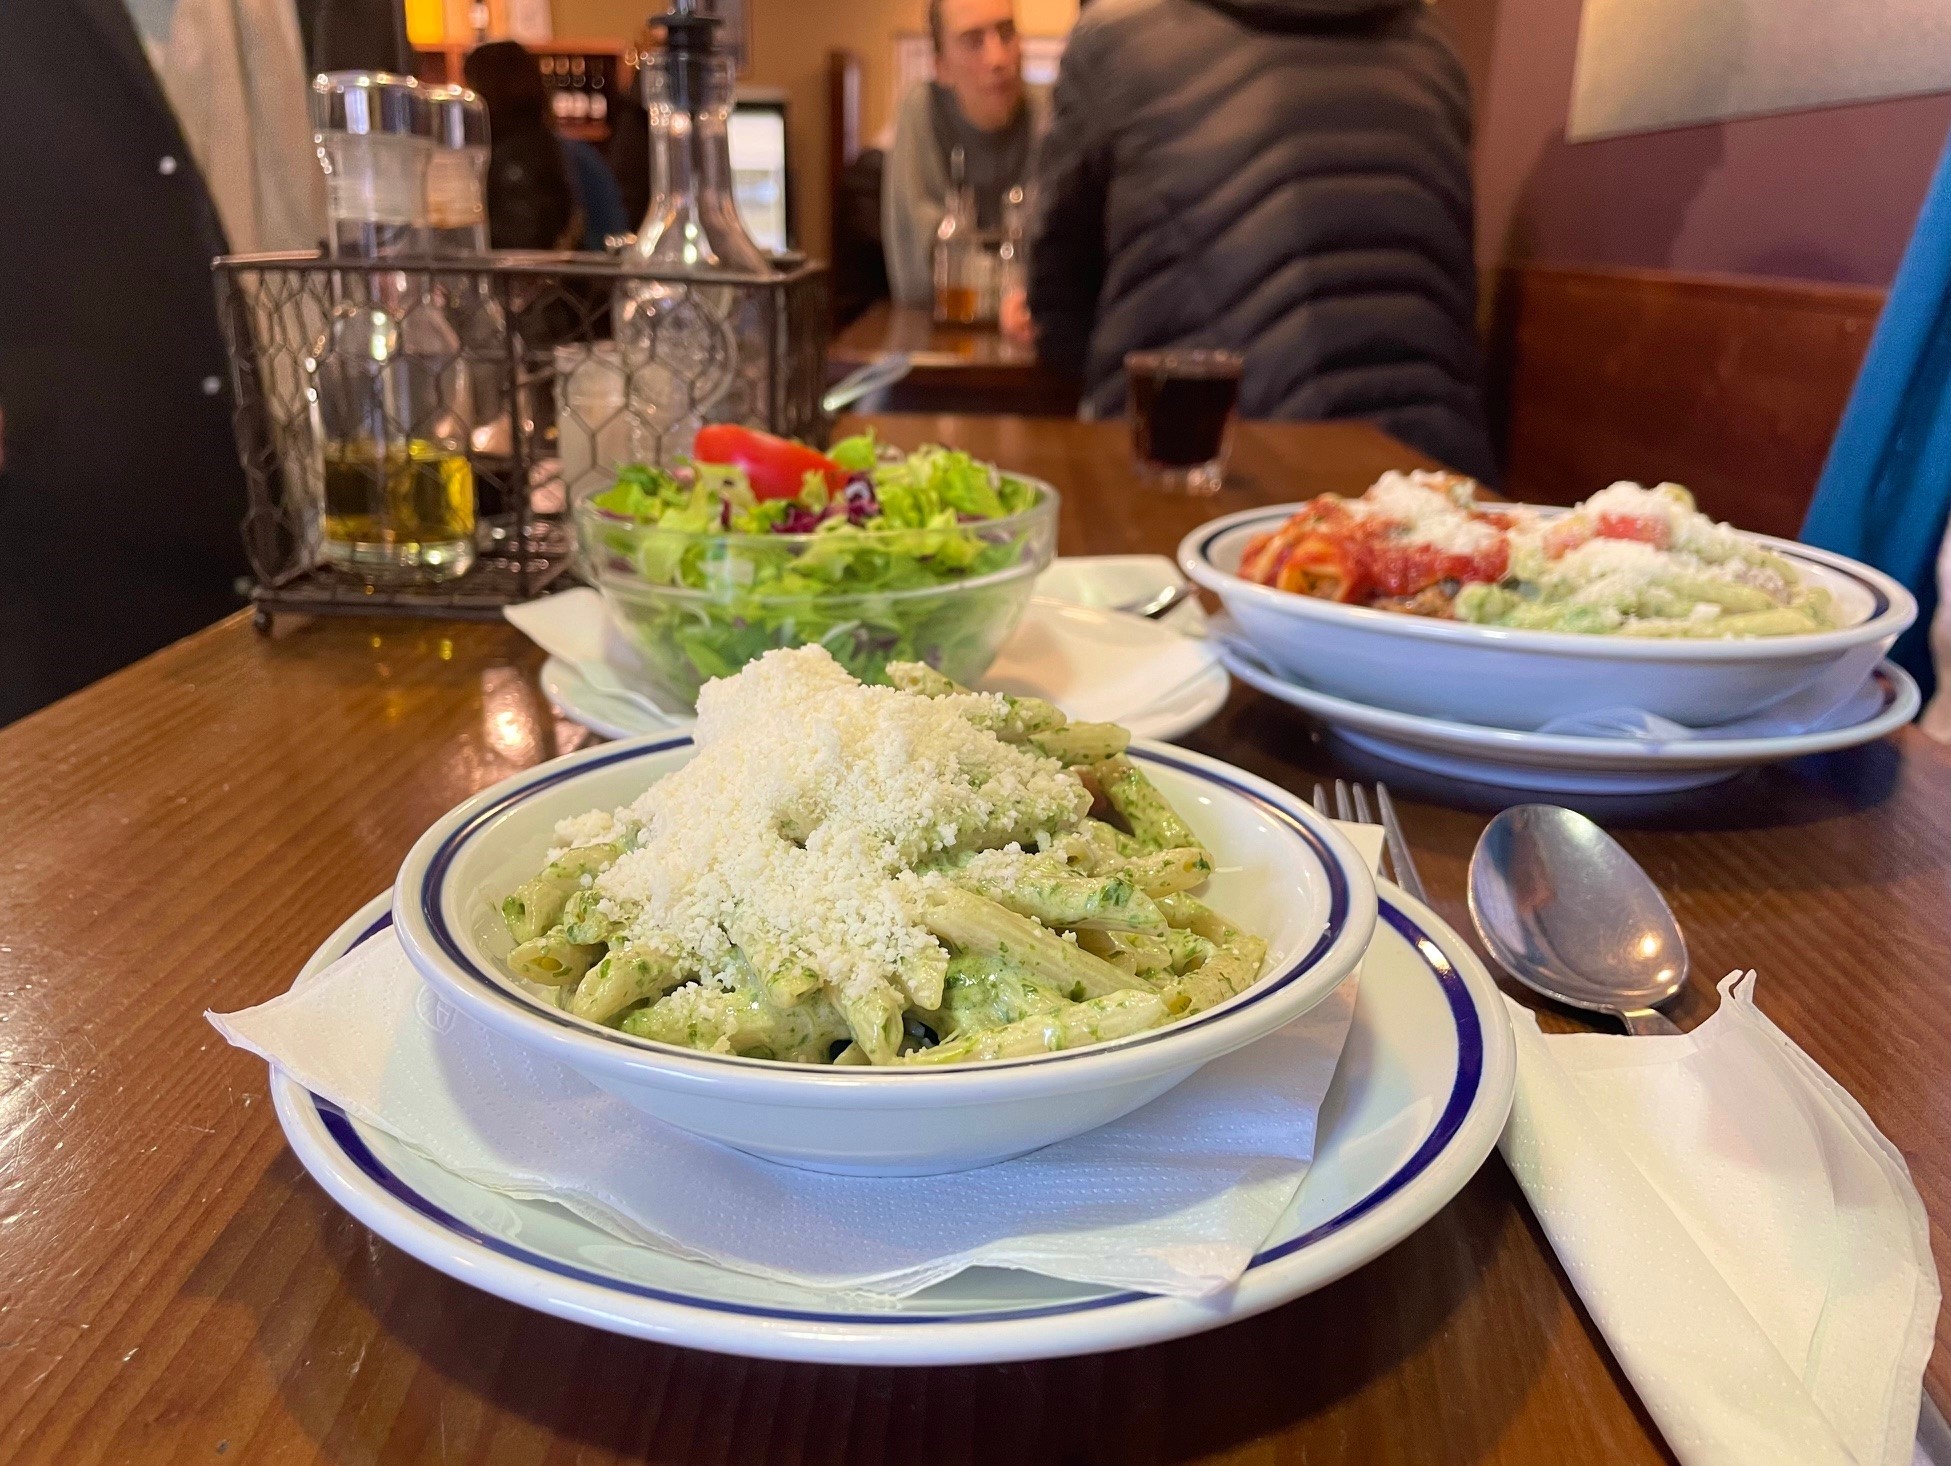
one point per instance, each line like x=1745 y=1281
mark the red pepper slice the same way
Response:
x=776 y=466
x=1648 y=530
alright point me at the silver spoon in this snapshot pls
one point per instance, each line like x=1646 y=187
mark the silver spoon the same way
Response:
x=1569 y=913
x=1160 y=603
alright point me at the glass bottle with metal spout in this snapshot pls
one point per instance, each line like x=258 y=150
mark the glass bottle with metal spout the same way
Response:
x=389 y=396
x=695 y=350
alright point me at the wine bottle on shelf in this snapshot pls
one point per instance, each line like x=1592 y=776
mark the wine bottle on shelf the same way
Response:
x=578 y=90
x=559 y=97
x=599 y=101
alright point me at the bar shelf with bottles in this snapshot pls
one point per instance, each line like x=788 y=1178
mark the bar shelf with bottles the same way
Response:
x=583 y=77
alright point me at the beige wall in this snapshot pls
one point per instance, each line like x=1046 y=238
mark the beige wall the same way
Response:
x=790 y=42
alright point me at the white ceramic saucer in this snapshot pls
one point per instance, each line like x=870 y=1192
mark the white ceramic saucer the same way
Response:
x=1095 y=664
x=1420 y=1097
x=1560 y=763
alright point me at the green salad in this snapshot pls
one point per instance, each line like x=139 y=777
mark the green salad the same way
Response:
x=876 y=555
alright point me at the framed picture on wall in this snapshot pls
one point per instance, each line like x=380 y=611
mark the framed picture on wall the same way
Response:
x=1649 y=64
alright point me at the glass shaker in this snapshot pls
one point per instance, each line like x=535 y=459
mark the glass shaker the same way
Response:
x=390 y=401
x=695 y=351
x=957 y=262
x=457 y=227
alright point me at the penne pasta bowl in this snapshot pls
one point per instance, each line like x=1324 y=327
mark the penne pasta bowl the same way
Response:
x=1281 y=870
x=1506 y=677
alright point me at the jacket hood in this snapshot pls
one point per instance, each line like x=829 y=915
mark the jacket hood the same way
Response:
x=1281 y=15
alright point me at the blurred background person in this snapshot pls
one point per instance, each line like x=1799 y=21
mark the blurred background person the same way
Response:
x=1286 y=178
x=977 y=103
x=544 y=191
x=138 y=140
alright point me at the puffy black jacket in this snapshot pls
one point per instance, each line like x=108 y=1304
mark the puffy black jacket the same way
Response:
x=1289 y=178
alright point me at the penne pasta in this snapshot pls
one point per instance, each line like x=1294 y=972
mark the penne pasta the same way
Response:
x=1628 y=561
x=925 y=885
x=1116 y=1015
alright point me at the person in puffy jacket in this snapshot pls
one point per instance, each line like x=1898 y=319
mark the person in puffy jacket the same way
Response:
x=1287 y=178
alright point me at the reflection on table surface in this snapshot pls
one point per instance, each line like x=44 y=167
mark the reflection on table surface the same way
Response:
x=956 y=368
x=888 y=327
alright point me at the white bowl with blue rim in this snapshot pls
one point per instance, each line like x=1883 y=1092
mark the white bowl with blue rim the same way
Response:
x=1507 y=677
x=1282 y=871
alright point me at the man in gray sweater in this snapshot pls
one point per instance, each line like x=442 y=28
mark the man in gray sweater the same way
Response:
x=977 y=103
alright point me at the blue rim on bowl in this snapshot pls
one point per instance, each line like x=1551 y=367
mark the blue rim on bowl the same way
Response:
x=442 y=957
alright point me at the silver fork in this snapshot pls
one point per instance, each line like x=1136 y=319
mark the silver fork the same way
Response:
x=1351 y=806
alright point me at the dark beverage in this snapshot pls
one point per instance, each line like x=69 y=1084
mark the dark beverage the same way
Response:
x=1181 y=406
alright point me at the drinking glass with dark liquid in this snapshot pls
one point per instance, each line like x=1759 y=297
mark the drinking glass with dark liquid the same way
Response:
x=1182 y=405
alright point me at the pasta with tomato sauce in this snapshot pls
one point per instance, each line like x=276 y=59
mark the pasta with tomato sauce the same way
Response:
x=1629 y=561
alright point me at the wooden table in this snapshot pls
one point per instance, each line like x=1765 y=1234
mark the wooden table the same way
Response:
x=956 y=368
x=174 y=1288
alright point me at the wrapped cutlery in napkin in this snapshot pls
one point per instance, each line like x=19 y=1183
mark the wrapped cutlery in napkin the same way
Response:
x=1751 y=1247
x=1175 y=1198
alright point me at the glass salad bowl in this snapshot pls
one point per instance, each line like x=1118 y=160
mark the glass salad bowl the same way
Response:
x=698 y=605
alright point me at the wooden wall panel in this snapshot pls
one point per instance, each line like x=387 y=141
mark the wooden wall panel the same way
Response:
x=1731 y=386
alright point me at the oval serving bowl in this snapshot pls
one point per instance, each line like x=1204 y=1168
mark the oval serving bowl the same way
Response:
x=1503 y=677
x=1283 y=872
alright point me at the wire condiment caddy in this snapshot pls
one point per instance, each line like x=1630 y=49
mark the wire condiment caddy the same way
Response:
x=567 y=396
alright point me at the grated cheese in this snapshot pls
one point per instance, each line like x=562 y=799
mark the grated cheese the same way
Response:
x=1432 y=509
x=810 y=793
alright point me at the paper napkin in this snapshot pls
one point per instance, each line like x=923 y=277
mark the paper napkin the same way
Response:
x=571 y=624
x=1089 y=669
x=1174 y=1198
x=1751 y=1247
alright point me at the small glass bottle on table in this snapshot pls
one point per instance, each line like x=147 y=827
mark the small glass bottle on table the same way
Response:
x=390 y=402
x=957 y=263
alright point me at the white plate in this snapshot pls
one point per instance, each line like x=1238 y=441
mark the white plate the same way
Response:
x=1562 y=763
x=1079 y=657
x=1420 y=1097
x=1506 y=677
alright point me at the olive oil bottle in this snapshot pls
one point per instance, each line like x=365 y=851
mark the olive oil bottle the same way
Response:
x=390 y=398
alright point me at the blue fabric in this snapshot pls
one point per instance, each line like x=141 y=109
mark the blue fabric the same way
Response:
x=596 y=191
x=1886 y=489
